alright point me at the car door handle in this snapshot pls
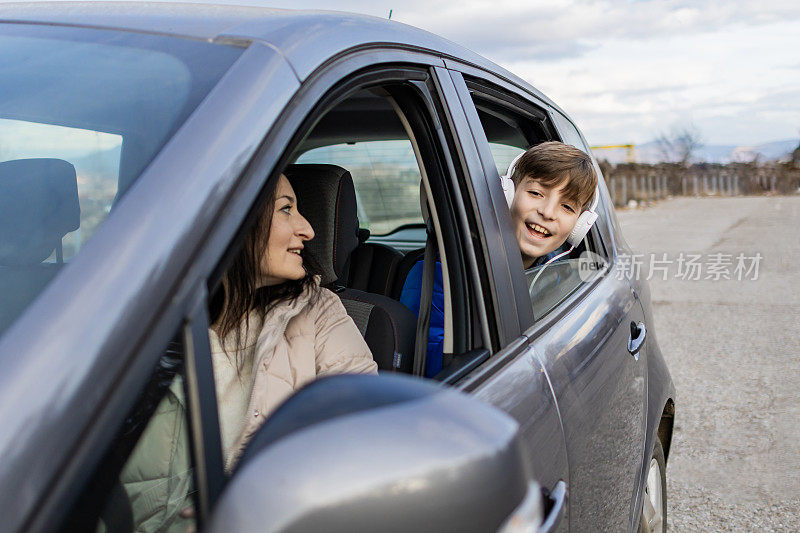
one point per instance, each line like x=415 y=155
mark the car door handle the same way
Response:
x=555 y=507
x=636 y=340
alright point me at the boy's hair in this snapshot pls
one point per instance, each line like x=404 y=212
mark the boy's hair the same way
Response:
x=553 y=163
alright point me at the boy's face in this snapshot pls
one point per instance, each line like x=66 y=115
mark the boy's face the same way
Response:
x=543 y=218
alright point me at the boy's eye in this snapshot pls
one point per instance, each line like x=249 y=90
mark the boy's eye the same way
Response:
x=534 y=193
x=569 y=208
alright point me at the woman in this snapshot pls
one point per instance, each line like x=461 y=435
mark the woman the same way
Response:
x=273 y=330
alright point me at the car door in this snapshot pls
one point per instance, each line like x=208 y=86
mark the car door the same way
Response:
x=513 y=379
x=578 y=336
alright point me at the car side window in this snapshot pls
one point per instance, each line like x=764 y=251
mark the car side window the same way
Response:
x=379 y=138
x=503 y=155
x=510 y=129
x=569 y=133
x=145 y=479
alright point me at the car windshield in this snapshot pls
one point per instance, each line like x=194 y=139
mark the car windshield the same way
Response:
x=82 y=114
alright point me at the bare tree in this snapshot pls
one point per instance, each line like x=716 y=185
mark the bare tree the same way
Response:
x=665 y=147
x=680 y=145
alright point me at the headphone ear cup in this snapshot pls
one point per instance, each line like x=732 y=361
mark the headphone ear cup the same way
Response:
x=508 y=189
x=582 y=227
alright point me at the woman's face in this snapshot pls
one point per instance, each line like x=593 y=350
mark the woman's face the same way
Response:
x=287 y=232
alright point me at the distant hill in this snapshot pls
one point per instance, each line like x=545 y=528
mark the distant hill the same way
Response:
x=99 y=163
x=712 y=153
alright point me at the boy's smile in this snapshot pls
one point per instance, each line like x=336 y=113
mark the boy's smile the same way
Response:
x=543 y=218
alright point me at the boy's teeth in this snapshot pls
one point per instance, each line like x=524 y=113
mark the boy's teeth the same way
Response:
x=537 y=227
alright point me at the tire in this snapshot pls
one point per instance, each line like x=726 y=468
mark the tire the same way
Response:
x=654 y=516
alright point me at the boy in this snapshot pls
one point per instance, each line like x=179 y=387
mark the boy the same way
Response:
x=553 y=184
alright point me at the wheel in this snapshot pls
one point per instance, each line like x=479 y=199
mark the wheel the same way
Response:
x=654 y=499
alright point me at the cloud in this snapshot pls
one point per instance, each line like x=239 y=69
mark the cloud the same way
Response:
x=512 y=29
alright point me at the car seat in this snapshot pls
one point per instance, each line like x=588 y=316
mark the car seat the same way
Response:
x=38 y=206
x=326 y=198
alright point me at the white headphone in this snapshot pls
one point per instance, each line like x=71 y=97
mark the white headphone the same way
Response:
x=582 y=226
x=507 y=183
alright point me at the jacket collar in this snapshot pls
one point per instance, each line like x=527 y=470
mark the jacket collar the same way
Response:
x=265 y=332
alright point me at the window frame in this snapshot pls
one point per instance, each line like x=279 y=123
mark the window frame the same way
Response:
x=319 y=93
x=528 y=108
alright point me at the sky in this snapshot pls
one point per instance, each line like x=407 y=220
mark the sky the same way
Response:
x=627 y=71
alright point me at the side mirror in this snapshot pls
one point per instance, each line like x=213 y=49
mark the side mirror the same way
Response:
x=387 y=453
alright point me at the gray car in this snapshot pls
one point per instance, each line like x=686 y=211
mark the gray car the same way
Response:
x=136 y=145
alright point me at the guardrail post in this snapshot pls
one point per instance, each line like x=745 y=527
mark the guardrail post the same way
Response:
x=613 y=189
x=624 y=190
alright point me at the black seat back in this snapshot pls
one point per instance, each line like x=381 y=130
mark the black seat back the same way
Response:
x=373 y=268
x=326 y=197
x=38 y=206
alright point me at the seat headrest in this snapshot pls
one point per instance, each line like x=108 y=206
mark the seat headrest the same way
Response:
x=327 y=199
x=38 y=206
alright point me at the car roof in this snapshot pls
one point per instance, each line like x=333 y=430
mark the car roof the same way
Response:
x=307 y=39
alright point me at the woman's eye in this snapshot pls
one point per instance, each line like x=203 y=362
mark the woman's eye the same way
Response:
x=287 y=209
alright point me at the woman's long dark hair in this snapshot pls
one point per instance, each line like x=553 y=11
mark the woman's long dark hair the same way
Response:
x=239 y=293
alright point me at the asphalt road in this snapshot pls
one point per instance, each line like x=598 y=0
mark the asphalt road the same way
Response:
x=732 y=347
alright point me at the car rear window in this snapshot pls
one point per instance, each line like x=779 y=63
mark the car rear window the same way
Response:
x=82 y=114
x=386 y=177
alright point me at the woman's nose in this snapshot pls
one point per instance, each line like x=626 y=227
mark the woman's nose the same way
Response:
x=304 y=229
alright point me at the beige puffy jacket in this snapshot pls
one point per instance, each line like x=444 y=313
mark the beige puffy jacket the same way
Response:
x=297 y=341
x=310 y=337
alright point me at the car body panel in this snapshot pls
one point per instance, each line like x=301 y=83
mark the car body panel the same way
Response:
x=522 y=389
x=600 y=389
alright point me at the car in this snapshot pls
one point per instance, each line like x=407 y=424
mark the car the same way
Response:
x=138 y=142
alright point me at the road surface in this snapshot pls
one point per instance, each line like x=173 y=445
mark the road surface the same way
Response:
x=733 y=348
